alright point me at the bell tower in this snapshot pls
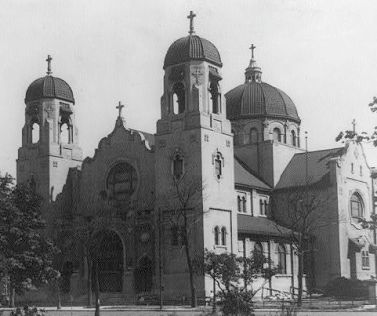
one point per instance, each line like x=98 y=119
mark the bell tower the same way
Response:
x=194 y=152
x=49 y=136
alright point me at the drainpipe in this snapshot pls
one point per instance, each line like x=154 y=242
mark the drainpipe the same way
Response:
x=269 y=266
x=292 y=273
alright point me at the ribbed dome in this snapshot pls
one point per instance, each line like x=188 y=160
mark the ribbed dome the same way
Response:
x=49 y=87
x=259 y=99
x=192 y=47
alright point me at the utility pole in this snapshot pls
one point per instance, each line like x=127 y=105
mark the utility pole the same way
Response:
x=160 y=256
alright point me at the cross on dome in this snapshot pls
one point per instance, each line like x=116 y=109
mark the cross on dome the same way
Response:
x=120 y=106
x=354 y=125
x=49 y=58
x=191 y=18
x=252 y=47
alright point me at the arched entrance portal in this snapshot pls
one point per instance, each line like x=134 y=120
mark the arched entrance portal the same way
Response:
x=110 y=262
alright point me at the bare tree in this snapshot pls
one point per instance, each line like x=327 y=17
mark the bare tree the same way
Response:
x=184 y=212
x=302 y=210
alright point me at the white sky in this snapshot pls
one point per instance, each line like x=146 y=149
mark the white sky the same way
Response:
x=323 y=54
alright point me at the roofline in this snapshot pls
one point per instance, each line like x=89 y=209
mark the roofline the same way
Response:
x=314 y=151
x=251 y=172
x=241 y=185
x=248 y=116
x=192 y=59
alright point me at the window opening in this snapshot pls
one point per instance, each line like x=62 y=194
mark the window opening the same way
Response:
x=64 y=133
x=178 y=98
x=215 y=97
x=277 y=134
x=365 y=259
x=258 y=256
x=282 y=260
x=223 y=236
x=121 y=181
x=239 y=204
x=293 y=138
x=35 y=133
x=253 y=136
x=265 y=207
x=243 y=204
x=178 y=166
x=260 y=207
x=217 y=232
x=218 y=166
x=356 y=206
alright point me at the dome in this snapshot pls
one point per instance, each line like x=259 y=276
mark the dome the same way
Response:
x=259 y=99
x=49 y=87
x=192 y=47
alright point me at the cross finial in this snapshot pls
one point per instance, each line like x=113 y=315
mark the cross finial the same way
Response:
x=354 y=125
x=120 y=107
x=49 y=58
x=252 y=47
x=191 y=18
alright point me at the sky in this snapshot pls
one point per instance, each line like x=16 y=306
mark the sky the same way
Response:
x=323 y=54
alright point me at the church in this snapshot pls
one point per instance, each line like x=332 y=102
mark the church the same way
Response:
x=220 y=166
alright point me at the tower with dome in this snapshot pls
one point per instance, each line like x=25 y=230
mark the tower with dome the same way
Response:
x=209 y=175
x=49 y=136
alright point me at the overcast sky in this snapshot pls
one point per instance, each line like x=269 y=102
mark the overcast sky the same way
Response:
x=323 y=54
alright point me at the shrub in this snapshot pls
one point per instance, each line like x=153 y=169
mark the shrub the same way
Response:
x=346 y=288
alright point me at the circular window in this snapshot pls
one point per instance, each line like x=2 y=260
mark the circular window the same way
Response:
x=121 y=181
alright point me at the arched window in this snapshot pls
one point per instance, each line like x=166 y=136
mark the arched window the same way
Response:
x=261 y=207
x=178 y=166
x=253 y=136
x=121 y=181
x=64 y=133
x=265 y=207
x=179 y=102
x=217 y=233
x=293 y=138
x=223 y=236
x=218 y=161
x=258 y=255
x=276 y=134
x=239 y=204
x=282 y=259
x=243 y=204
x=365 y=259
x=35 y=133
x=215 y=96
x=356 y=206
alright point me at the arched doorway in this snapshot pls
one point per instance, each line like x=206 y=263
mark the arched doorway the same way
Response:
x=110 y=262
x=143 y=275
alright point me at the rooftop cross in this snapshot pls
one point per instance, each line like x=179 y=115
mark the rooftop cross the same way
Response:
x=354 y=125
x=252 y=47
x=120 y=107
x=49 y=58
x=191 y=17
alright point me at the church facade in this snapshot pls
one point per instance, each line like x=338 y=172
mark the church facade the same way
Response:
x=208 y=174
